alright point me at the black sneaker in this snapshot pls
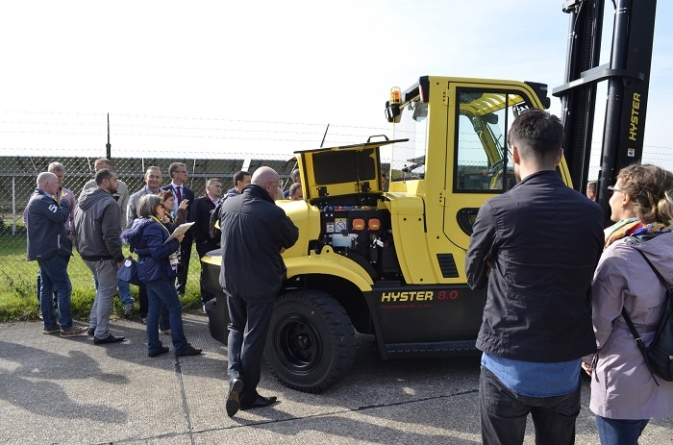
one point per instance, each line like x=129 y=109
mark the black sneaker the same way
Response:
x=158 y=352
x=188 y=350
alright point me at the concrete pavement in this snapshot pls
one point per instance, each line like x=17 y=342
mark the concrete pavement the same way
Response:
x=69 y=391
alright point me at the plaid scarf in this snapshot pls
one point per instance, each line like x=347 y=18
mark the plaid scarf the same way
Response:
x=634 y=227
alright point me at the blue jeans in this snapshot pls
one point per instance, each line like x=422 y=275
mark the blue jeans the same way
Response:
x=54 y=278
x=124 y=289
x=39 y=283
x=618 y=431
x=158 y=292
x=504 y=413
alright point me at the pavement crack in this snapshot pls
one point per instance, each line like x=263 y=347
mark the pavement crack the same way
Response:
x=346 y=410
x=183 y=396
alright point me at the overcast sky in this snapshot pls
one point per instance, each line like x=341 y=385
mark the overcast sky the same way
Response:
x=206 y=64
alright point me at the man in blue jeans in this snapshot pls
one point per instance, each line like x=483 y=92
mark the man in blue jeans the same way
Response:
x=48 y=243
x=536 y=247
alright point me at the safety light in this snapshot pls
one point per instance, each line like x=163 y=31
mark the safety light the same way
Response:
x=395 y=95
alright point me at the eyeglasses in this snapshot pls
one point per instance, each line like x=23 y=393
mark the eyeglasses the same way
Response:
x=612 y=189
x=180 y=171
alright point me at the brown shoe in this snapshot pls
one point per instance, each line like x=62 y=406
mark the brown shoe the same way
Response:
x=52 y=330
x=72 y=331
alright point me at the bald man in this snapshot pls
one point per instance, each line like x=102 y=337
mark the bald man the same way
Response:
x=255 y=231
x=49 y=245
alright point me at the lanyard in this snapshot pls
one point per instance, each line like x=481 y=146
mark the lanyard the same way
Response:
x=211 y=200
x=161 y=224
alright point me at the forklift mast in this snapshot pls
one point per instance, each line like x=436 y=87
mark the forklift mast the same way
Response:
x=628 y=77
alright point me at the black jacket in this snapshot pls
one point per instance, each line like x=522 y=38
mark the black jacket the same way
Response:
x=543 y=240
x=254 y=230
x=200 y=215
x=46 y=233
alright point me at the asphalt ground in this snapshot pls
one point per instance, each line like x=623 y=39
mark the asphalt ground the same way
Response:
x=69 y=391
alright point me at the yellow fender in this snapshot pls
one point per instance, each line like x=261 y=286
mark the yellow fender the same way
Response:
x=329 y=263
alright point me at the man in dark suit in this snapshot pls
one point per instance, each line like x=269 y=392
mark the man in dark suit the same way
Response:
x=200 y=214
x=178 y=172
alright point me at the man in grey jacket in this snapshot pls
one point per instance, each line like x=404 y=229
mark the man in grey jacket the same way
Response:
x=121 y=196
x=98 y=239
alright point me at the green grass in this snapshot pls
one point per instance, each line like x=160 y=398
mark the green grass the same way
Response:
x=18 y=293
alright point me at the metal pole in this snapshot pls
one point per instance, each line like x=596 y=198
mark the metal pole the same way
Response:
x=108 y=146
x=13 y=205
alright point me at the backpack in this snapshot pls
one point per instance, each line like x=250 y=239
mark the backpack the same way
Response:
x=213 y=229
x=659 y=354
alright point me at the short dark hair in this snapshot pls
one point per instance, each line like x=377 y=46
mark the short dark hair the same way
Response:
x=293 y=188
x=174 y=166
x=239 y=176
x=537 y=134
x=103 y=174
x=591 y=186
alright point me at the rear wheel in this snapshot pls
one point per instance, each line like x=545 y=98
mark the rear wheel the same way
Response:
x=311 y=342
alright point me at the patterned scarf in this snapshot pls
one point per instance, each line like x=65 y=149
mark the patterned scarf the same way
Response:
x=634 y=227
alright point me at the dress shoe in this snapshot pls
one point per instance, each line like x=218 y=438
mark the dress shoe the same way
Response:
x=161 y=350
x=233 y=402
x=109 y=339
x=260 y=402
x=188 y=350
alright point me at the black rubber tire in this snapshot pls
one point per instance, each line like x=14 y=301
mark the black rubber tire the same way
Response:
x=311 y=341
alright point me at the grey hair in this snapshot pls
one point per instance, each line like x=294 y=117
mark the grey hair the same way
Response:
x=56 y=167
x=148 y=205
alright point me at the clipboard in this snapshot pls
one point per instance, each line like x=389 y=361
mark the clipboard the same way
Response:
x=182 y=228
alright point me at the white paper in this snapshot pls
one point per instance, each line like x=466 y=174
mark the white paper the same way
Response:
x=182 y=228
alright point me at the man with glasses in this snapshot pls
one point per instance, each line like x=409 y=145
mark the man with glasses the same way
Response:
x=152 y=186
x=178 y=172
x=255 y=231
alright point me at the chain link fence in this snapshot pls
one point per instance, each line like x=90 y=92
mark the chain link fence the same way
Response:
x=210 y=148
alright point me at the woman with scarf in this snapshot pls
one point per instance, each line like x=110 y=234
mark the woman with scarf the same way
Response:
x=168 y=201
x=157 y=267
x=624 y=395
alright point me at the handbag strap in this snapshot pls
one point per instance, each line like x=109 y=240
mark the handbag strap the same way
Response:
x=627 y=318
x=654 y=269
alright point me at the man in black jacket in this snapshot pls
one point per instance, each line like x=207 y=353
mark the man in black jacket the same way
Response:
x=199 y=213
x=98 y=237
x=537 y=247
x=255 y=231
x=48 y=243
x=178 y=172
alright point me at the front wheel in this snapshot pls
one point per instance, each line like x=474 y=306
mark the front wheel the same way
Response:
x=311 y=342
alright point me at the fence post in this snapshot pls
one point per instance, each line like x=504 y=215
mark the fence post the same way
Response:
x=13 y=205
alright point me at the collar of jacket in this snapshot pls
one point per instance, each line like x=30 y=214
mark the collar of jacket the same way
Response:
x=256 y=191
x=544 y=175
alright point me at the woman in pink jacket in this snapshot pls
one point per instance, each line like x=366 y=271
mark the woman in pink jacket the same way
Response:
x=624 y=395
